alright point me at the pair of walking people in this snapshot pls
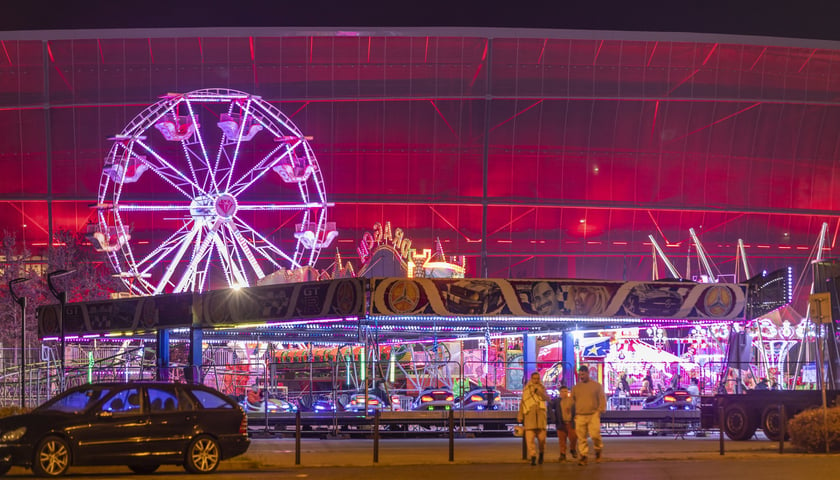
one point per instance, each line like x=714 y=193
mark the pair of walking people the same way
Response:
x=577 y=415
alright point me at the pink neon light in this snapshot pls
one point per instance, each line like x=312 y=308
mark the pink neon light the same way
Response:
x=758 y=58
x=426 y=53
x=200 y=50
x=807 y=60
x=49 y=52
x=481 y=63
x=598 y=52
x=656 y=224
x=517 y=114
x=678 y=85
x=836 y=229
x=101 y=55
x=151 y=54
x=710 y=54
x=299 y=109
x=542 y=51
x=368 y=57
x=653 y=126
x=444 y=118
x=453 y=227
x=717 y=121
x=311 y=47
x=253 y=62
x=651 y=54
x=6 y=52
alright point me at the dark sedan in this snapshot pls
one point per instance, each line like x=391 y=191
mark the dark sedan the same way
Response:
x=141 y=425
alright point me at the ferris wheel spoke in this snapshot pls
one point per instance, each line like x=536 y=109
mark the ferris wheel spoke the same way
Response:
x=162 y=250
x=133 y=207
x=238 y=143
x=268 y=245
x=168 y=166
x=264 y=166
x=229 y=262
x=246 y=249
x=203 y=248
x=176 y=260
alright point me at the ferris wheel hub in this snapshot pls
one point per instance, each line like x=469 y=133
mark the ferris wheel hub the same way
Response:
x=226 y=206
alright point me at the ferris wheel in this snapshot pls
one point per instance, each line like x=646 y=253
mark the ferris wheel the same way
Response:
x=201 y=174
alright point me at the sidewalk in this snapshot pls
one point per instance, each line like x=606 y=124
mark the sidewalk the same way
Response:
x=280 y=452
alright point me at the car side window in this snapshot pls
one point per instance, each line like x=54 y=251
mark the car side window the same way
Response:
x=123 y=402
x=211 y=400
x=186 y=402
x=162 y=400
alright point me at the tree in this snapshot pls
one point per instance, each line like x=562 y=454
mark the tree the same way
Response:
x=17 y=262
x=92 y=279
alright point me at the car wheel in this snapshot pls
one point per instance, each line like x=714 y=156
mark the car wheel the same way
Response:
x=203 y=455
x=52 y=457
x=4 y=468
x=737 y=423
x=143 y=469
x=771 y=424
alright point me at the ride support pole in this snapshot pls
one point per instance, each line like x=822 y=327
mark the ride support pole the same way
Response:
x=297 y=437
x=451 y=435
x=265 y=399
x=376 y=437
x=782 y=427
x=720 y=424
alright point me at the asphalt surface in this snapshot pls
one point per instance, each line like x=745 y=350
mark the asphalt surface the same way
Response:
x=648 y=458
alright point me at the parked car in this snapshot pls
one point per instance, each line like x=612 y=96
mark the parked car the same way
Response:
x=434 y=399
x=141 y=425
x=483 y=398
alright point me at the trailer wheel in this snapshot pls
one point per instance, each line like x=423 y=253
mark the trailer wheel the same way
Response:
x=771 y=424
x=738 y=423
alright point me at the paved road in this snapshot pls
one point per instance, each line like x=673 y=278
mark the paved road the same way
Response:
x=647 y=458
x=817 y=466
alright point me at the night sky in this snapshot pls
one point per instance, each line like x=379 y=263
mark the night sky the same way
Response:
x=804 y=19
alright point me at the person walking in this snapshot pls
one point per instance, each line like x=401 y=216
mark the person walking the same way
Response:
x=589 y=401
x=532 y=415
x=564 y=415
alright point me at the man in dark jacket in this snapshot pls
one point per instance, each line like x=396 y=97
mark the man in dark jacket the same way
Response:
x=564 y=416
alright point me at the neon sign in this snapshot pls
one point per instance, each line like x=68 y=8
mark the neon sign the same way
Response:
x=383 y=237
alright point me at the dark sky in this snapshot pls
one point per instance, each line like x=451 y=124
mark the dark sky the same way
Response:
x=791 y=18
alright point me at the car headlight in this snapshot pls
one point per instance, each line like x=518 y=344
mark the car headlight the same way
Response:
x=12 y=435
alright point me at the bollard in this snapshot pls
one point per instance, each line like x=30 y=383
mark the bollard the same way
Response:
x=297 y=437
x=721 y=424
x=451 y=435
x=376 y=437
x=782 y=427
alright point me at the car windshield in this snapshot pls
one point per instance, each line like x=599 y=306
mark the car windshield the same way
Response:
x=75 y=401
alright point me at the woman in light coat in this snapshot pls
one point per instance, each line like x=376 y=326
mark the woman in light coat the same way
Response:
x=533 y=416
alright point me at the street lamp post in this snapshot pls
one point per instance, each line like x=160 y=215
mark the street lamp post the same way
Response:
x=22 y=302
x=62 y=300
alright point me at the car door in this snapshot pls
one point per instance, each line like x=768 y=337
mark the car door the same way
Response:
x=117 y=430
x=171 y=420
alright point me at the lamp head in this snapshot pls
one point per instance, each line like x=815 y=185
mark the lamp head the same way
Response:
x=57 y=274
